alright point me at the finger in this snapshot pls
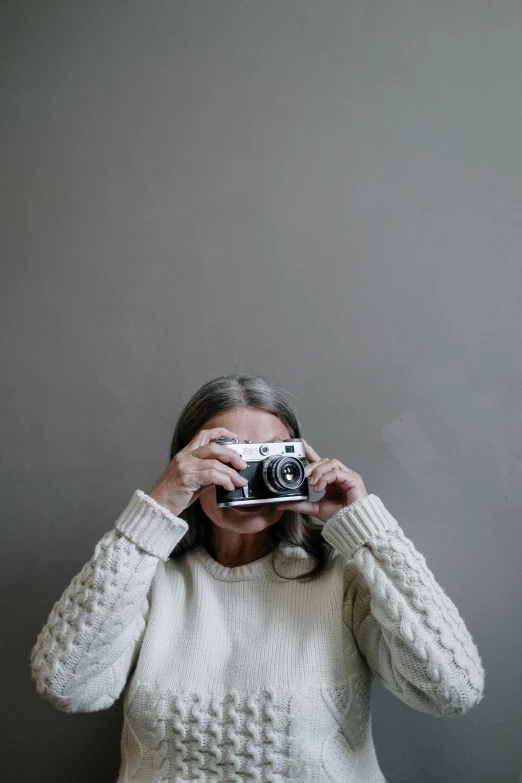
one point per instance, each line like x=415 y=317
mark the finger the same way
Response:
x=205 y=436
x=319 y=471
x=328 y=478
x=314 y=468
x=214 y=464
x=310 y=453
x=223 y=453
x=214 y=476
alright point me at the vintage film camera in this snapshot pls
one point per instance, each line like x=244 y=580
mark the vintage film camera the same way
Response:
x=275 y=472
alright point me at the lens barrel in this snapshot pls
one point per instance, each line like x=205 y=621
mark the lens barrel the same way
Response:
x=281 y=474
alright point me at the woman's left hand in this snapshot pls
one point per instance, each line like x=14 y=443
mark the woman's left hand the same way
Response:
x=342 y=486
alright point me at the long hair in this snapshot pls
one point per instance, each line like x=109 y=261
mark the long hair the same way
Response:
x=234 y=392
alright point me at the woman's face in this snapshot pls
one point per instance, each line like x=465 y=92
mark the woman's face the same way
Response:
x=257 y=426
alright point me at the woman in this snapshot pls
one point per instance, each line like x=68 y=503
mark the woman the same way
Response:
x=247 y=640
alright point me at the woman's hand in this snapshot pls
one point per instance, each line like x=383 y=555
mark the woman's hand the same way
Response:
x=194 y=469
x=343 y=486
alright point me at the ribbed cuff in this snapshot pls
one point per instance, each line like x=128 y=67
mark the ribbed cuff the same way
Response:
x=361 y=521
x=150 y=525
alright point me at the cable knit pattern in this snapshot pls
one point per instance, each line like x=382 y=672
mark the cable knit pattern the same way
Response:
x=236 y=674
x=232 y=736
x=408 y=629
x=82 y=656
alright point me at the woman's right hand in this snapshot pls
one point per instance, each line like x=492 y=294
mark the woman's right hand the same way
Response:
x=195 y=467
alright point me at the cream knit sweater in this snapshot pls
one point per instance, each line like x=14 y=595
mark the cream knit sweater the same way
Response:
x=234 y=674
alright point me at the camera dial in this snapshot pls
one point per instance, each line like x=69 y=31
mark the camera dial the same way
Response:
x=226 y=439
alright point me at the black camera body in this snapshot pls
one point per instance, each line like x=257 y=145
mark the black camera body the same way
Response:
x=275 y=472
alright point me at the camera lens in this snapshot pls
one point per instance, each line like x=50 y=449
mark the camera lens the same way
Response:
x=283 y=473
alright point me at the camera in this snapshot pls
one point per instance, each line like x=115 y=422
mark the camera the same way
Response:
x=275 y=472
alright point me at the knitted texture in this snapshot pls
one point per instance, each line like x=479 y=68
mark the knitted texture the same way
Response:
x=82 y=656
x=406 y=626
x=236 y=674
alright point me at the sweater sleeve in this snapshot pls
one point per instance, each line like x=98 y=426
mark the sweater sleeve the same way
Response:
x=93 y=635
x=405 y=625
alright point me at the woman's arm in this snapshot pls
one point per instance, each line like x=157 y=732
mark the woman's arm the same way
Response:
x=93 y=635
x=407 y=628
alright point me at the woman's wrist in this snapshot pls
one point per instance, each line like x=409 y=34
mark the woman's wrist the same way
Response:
x=162 y=501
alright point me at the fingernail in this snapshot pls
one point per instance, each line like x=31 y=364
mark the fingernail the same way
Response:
x=243 y=480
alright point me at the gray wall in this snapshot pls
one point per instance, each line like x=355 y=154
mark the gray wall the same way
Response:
x=326 y=193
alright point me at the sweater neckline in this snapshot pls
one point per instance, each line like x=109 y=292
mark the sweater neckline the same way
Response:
x=254 y=570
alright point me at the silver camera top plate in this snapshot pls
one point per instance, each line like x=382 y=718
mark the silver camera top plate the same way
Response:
x=254 y=452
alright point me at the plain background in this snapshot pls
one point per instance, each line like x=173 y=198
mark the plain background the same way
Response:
x=326 y=193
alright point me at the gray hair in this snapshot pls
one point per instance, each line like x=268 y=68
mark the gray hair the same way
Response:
x=234 y=392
